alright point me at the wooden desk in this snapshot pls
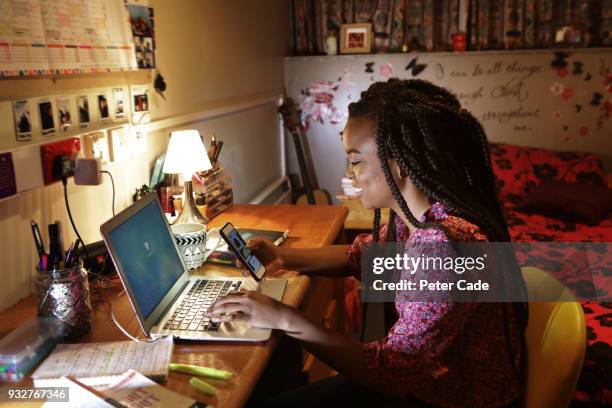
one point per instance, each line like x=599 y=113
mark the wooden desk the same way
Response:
x=310 y=226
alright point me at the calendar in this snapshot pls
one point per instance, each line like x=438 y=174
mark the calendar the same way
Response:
x=48 y=37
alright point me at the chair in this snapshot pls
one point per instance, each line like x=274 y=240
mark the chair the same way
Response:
x=556 y=342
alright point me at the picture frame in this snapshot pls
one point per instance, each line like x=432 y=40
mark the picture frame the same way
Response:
x=46 y=116
x=356 y=38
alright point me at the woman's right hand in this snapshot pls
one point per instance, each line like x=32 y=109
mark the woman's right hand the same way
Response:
x=267 y=253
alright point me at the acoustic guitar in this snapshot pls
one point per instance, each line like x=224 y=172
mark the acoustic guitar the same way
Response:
x=311 y=193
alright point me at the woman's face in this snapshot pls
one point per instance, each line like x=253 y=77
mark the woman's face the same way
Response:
x=365 y=168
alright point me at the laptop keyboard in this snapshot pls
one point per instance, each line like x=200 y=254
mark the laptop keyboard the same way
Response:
x=189 y=315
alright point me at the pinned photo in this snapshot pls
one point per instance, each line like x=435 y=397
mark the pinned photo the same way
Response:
x=140 y=59
x=103 y=107
x=47 y=123
x=63 y=112
x=23 y=122
x=119 y=102
x=141 y=102
x=83 y=106
x=138 y=43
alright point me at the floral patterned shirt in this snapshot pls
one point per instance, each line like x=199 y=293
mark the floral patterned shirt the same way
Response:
x=443 y=353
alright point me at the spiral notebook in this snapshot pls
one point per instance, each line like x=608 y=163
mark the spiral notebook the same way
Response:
x=96 y=364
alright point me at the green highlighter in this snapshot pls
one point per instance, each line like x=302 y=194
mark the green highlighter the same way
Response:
x=202 y=371
x=202 y=386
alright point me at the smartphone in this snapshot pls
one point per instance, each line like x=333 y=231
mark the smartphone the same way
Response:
x=236 y=244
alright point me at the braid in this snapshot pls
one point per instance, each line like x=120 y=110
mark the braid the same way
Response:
x=391 y=227
x=376 y=229
x=444 y=151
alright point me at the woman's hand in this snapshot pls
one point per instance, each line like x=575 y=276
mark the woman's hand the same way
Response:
x=254 y=308
x=267 y=253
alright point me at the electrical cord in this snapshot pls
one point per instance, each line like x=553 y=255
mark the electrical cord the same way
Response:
x=65 y=182
x=120 y=327
x=113 y=184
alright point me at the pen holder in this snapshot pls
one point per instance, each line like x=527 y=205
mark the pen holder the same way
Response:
x=63 y=294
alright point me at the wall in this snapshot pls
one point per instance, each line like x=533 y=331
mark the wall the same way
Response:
x=532 y=98
x=212 y=55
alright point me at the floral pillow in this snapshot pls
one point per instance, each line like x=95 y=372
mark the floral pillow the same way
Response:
x=520 y=169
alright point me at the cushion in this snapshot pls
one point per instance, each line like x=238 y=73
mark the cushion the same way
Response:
x=520 y=169
x=578 y=202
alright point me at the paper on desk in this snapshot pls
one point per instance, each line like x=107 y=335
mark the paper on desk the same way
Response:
x=134 y=390
x=101 y=363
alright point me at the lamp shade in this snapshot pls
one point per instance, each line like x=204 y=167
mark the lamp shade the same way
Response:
x=186 y=154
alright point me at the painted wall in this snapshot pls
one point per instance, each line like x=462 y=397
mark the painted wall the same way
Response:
x=212 y=54
x=532 y=98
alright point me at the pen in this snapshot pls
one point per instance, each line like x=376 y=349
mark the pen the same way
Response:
x=69 y=255
x=54 y=257
x=213 y=148
x=40 y=246
x=218 y=151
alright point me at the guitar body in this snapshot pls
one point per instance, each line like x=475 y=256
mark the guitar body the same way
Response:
x=313 y=195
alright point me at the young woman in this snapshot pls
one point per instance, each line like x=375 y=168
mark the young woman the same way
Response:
x=414 y=150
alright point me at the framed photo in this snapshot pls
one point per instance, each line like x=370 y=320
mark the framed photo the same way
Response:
x=64 y=113
x=103 y=107
x=47 y=121
x=119 y=103
x=356 y=38
x=83 y=107
x=23 y=121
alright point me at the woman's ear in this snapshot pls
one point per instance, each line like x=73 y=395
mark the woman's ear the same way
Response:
x=398 y=174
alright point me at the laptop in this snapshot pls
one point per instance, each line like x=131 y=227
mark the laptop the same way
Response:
x=166 y=298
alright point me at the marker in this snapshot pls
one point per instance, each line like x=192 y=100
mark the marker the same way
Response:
x=199 y=370
x=40 y=246
x=202 y=386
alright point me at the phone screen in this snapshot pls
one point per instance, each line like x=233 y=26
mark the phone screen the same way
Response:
x=240 y=248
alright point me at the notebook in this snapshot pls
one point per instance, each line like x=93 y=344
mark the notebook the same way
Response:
x=101 y=363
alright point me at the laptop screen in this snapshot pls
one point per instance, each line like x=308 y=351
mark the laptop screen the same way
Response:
x=145 y=250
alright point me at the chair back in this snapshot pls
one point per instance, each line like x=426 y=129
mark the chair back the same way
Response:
x=556 y=342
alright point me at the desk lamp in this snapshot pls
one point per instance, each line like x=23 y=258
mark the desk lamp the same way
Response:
x=186 y=155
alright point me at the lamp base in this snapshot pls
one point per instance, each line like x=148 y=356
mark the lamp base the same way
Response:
x=190 y=212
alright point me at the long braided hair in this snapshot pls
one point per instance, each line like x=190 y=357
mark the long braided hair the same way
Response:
x=444 y=151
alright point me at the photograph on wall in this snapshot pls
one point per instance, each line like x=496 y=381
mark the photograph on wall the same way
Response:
x=141 y=22
x=64 y=113
x=95 y=146
x=147 y=49
x=119 y=104
x=140 y=103
x=139 y=141
x=120 y=146
x=103 y=108
x=83 y=106
x=23 y=121
x=141 y=100
x=47 y=123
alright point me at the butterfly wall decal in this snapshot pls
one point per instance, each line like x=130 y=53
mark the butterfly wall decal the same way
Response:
x=415 y=67
x=577 y=68
x=560 y=60
x=596 y=101
x=368 y=67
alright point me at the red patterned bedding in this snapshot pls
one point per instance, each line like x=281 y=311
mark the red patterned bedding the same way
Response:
x=519 y=170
